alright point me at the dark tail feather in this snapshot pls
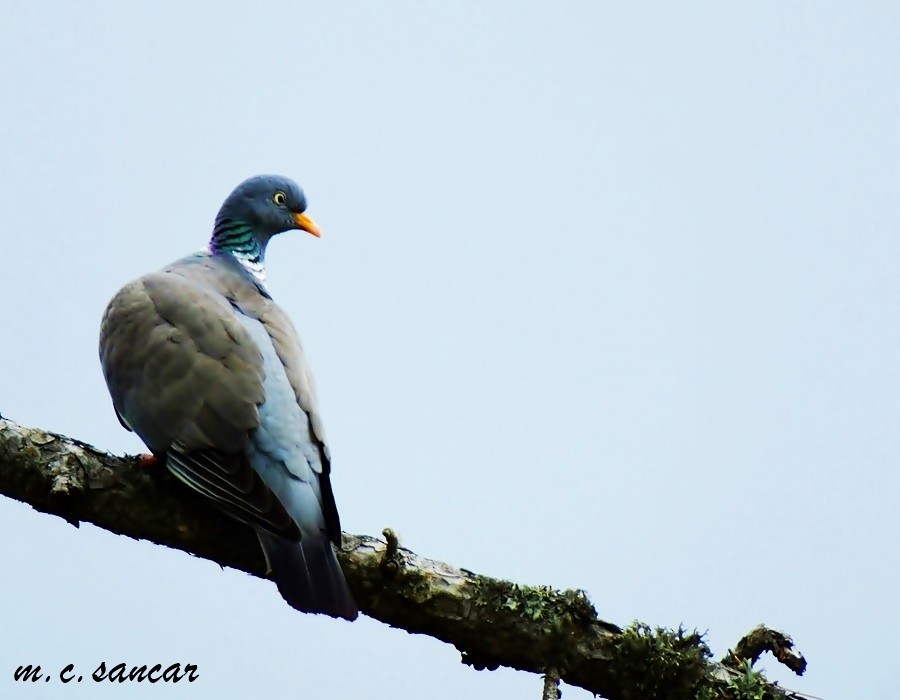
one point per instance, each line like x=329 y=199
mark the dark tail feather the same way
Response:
x=308 y=575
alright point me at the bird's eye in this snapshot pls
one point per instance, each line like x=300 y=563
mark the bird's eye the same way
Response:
x=279 y=198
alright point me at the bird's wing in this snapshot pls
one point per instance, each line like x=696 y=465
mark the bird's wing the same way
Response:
x=186 y=376
x=287 y=369
x=288 y=451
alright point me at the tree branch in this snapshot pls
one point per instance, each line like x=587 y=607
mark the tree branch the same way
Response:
x=491 y=622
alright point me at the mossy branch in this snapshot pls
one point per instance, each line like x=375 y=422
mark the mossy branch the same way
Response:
x=491 y=622
x=761 y=639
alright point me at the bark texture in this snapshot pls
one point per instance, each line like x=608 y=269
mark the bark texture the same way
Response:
x=491 y=622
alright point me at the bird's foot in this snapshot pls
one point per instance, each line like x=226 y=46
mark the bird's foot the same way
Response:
x=148 y=462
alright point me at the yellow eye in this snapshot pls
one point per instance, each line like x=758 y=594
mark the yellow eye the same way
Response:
x=279 y=198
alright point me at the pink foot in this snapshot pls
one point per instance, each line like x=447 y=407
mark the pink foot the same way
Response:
x=148 y=462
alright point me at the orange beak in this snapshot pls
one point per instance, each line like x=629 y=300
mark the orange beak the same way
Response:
x=304 y=223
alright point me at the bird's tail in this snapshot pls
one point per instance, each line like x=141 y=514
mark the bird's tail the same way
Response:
x=308 y=575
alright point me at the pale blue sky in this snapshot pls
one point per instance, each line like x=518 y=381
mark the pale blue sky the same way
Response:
x=634 y=261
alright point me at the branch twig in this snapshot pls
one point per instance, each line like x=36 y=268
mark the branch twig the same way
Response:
x=551 y=685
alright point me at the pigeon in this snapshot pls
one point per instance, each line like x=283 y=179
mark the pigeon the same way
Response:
x=209 y=372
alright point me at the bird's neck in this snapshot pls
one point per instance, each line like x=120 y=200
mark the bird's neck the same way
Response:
x=236 y=238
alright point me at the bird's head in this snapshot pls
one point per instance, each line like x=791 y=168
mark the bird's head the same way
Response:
x=259 y=208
